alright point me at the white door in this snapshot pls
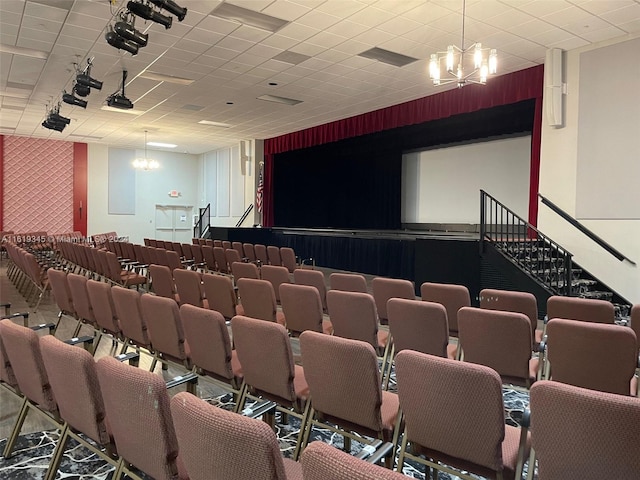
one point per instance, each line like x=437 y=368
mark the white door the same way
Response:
x=174 y=223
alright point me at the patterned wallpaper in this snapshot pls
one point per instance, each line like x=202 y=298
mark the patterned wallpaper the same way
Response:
x=38 y=185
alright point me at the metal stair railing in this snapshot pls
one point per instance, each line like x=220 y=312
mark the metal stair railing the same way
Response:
x=204 y=222
x=534 y=252
x=244 y=215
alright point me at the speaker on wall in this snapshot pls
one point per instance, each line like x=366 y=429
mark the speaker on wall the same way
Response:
x=245 y=153
x=553 y=87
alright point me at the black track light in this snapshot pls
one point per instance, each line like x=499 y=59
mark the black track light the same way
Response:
x=55 y=117
x=118 y=99
x=85 y=80
x=81 y=90
x=58 y=127
x=171 y=7
x=148 y=13
x=127 y=31
x=72 y=100
x=121 y=43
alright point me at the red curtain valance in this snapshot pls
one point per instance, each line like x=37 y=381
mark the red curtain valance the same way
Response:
x=502 y=90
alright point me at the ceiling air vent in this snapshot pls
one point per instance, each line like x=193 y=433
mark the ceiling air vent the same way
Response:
x=249 y=17
x=386 y=56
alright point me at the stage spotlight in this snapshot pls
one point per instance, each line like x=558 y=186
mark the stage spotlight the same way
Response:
x=171 y=7
x=71 y=100
x=118 y=99
x=85 y=80
x=58 y=127
x=121 y=43
x=55 y=117
x=81 y=90
x=148 y=13
x=127 y=31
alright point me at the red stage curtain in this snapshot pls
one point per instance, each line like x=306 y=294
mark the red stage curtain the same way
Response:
x=502 y=90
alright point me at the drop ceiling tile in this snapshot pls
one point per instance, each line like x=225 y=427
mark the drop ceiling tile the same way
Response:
x=570 y=43
x=602 y=34
x=33 y=44
x=204 y=36
x=279 y=42
x=342 y=9
x=234 y=44
x=630 y=27
x=307 y=49
x=540 y=8
x=317 y=19
x=397 y=8
x=298 y=32
x=598 y=7
x=371 y=17
x=9 y=18
x=192 y=46
x=333 y=55
x=89 y=21
x=218 y=25
x=39 y=10
x=326 y=39
x=623 y=15
x=13 y=6
x=251 y=34
x=286 y=10
x=39 y=35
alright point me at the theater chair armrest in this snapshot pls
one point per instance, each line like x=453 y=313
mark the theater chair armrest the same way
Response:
x=24 y=315
x=376 y=452
x=262 y=409
x=180 y=379
x=6 y=306
x=87 y=340
x=132 y=357
x=50 y=326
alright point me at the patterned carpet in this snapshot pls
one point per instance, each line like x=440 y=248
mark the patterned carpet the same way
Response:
x=33 y=452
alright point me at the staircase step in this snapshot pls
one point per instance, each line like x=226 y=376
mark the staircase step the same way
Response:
x=608 y=296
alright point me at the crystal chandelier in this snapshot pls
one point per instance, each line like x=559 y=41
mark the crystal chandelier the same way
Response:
x=463 y=64
x=144 y=163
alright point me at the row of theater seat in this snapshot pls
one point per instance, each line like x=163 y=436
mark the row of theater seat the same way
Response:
x=498 y=334
x=507 y=365
x=441 y=423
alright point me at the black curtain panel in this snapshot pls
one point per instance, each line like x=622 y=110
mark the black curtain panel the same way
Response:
x=356 y=183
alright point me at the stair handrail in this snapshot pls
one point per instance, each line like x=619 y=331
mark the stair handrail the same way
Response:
x=497 y=234
x=200 y=227
x=610 y=249
x=244 y=215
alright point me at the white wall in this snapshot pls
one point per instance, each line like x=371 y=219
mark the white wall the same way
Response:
x=228 y=184
x=443 y=185
x=559 y=166
x=178 y=171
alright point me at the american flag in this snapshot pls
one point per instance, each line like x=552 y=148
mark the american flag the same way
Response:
x=259 y=193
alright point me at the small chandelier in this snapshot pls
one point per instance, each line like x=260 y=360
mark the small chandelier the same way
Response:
x=144 y=163
x=479 y=65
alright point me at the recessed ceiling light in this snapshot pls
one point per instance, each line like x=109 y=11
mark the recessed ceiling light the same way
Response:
x=249 y=17
x=27 y=52
x=162 y=145
x=120 y=110
x=161 y=77
x=276 y=99
x=214 y=124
